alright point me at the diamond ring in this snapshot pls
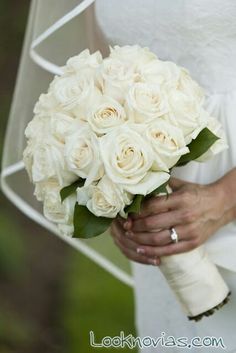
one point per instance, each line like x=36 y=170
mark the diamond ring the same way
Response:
x=174 y=235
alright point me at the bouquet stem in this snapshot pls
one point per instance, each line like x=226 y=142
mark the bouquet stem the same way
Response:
x=196 y=282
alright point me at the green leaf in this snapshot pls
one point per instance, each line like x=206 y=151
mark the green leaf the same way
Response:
x=161 y=189
x=199 y=146
x=87 y=225
x=70 y=189
x=135 y=206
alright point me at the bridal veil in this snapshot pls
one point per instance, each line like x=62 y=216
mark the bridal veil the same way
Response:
x=56 y=30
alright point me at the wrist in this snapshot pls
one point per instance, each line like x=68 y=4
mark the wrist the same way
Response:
x=225 y=200
x=218 y=201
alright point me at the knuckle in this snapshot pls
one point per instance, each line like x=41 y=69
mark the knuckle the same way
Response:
x=147 y=222
x=150 y=251
x=155 y=239
x=192 y=232
x=186 y=197
x=188 y=216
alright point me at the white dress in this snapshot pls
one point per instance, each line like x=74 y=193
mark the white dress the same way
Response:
x=200 y=35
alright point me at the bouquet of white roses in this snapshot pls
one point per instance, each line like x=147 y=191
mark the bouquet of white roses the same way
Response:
x=106 y=135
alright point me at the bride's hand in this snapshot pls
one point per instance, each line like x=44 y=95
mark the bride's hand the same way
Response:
x=129 y=246
x=195 y=211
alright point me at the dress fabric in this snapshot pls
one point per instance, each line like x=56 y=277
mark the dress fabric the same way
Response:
x=201 y=36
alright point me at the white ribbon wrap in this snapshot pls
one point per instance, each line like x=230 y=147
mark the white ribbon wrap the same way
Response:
x=195 y=280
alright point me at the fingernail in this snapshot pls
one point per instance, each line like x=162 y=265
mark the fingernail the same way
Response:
x=126 y=225
x=153 y=262
x=129 y=233
x=140 y=251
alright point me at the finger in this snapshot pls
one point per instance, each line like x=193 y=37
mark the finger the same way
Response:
x=125 y=223
x=162 y=237
x=134 y=255
x=152 y=238
x=160 y=204
x=159 y=221
x=129 y=248
x=126 y=239
x=171 y=249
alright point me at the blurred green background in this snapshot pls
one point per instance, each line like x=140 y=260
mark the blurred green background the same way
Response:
x=50 y=295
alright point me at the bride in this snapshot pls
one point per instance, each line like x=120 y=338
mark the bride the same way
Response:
x=201 y=36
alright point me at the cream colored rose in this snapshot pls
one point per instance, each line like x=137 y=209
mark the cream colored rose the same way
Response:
x=220 y=145
x=167 y=142
x=75 y=93
x=134 y=54
x=38 y=127
x=164 y=73
x=116 y=77
x=190 y=117
x=61 y=125
x=83 y=61
x=46 y=104
x=55 y=210
x=106 y=116
x=82 y=154
x=65 y=229
x=42 y=187
x=128 y=160
x=145 y=102
x=105 y=199
x=45 y=160
x=190 y=87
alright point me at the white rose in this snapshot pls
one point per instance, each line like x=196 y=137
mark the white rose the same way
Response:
x=220 y=145
x=190 y=117
x=128 y=160
x=42 y=187
x=46 y=104
x=55 y=210
x=65 y=229
x=190 y=87
x=38 y=127
x=105 y=199
x=61 y=125
x=167 y=142
x=134 y=54
x=164 y=73
x=106 y=116
x=82 y=154
x=145 y=102
x=83 y=61
x=116 y=77
x=75 y=93
x=45 y=160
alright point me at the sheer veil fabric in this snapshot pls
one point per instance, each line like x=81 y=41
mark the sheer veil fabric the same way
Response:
x=56 y=30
